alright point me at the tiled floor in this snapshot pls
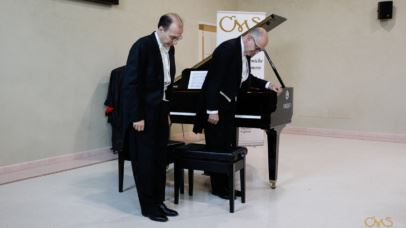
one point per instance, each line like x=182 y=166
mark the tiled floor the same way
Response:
x=323 y=183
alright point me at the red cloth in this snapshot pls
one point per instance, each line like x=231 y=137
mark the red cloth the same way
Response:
x=109 y=110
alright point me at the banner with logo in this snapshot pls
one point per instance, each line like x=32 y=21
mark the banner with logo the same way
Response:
x=231 y=24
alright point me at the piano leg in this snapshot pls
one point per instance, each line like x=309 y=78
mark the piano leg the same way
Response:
x=272 y=183
x=273 y=154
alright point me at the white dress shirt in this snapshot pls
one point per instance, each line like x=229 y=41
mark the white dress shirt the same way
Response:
x=167 y=67
x=245 y=70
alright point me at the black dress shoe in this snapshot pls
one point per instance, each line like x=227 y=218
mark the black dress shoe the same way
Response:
x=167 y=211
x=159 y=217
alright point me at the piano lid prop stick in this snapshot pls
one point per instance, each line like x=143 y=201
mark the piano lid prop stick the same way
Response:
x=274 y=68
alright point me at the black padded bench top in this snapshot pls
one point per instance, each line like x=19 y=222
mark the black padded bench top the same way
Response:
x=199 y=151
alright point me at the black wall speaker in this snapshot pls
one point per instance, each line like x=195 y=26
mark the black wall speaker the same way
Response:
x=385 y=10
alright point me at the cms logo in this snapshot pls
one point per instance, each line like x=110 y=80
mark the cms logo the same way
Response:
x=231 y=23
x=377 y=222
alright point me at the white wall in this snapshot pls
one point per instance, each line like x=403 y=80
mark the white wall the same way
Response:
x=56 y=57
x=347 y=67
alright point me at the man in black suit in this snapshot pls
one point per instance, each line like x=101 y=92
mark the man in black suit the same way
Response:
x=228 y=75
x=149 y=71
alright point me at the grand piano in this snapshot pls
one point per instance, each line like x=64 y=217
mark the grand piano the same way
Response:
x=255 y=109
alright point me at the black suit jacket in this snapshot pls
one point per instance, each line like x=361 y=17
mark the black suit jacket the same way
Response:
x=113 y=100
x=224 y=75
x=143 y=79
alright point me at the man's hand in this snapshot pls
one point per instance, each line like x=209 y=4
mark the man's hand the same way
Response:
x=169 y=120
x=213 y=118
x=139 y=125
x=276 y=88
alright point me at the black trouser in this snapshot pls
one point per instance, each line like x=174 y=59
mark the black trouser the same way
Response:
x=221 y=136
x=148 y=157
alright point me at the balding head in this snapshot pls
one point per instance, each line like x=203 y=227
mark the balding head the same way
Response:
x=261 y=36
x=170 y=29
x=255 y=41
x=166 y=20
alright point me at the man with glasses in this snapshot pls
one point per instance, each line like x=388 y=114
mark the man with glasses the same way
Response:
x=146 y=87
x=228 y=75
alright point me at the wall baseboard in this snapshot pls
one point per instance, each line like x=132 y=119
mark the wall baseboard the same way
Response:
x=25 y=170
x=42 y=167
x=358 y=135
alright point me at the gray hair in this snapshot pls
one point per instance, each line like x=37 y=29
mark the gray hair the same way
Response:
x=257 y=32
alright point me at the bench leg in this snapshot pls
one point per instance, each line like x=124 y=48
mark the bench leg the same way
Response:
x=231 y=188
x=190 y=174
x=177 y=176
x=242 y=182
x=182 y=181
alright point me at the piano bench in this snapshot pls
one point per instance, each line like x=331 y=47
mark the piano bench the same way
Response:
x=198 y=157
x=122 y=157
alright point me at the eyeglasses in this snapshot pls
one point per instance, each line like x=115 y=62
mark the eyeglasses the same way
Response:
x=257 y=48
x=175 y=38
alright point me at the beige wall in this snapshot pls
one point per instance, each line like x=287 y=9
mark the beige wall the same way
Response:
x=347 y=67
x=56 y=57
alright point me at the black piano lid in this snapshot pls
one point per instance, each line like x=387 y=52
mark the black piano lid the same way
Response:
x=269 y=23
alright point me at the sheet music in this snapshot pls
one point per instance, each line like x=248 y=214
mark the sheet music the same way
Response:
x=196 y=79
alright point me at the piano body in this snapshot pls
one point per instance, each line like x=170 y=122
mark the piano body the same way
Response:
x=255 y=109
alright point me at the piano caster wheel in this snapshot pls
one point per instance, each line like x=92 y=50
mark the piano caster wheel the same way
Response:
x=273 y=184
